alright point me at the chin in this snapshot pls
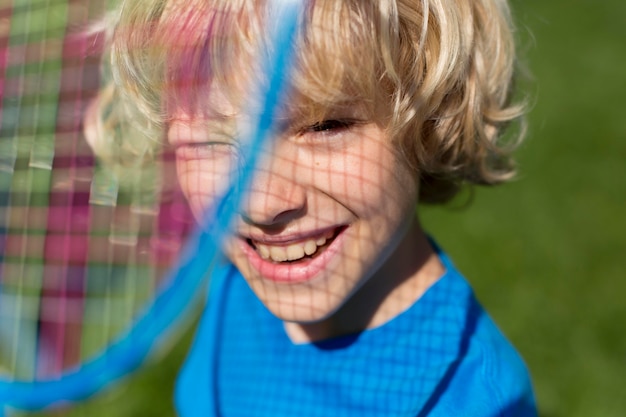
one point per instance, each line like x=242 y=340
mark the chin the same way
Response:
x=305 y=308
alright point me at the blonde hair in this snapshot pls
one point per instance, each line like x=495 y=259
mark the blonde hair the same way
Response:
x=437 y=73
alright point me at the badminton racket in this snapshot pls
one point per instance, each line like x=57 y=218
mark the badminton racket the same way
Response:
x=95 y=273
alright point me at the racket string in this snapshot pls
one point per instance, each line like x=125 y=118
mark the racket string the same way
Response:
x=80 y=258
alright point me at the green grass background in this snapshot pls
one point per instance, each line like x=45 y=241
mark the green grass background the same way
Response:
x=546 y=253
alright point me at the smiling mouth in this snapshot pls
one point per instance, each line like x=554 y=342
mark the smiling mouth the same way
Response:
x=295 y=252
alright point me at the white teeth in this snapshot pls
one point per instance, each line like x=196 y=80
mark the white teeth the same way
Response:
x=295 y=252
x=278 y=254
x=310 y=247
x=264 y=251
x=292 y=252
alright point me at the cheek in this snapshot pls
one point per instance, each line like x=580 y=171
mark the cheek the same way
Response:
x=374 y=182
x=203 y=182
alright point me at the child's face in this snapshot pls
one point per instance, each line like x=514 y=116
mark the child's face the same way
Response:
x=329 y=203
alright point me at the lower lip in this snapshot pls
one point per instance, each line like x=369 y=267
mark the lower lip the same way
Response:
x=293 y=272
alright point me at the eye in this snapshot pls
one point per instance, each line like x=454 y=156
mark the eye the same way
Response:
x=199 y=139
x=205 y=150
x=330 y=125
x=329 y=132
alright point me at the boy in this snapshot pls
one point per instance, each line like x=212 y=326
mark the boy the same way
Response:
x=336 y=303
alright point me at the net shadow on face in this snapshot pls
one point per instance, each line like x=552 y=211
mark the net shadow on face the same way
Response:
x=326 y=231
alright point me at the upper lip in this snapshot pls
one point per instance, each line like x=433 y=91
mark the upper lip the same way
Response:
x=290 y=238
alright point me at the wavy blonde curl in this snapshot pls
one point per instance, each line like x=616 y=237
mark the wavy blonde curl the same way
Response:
x=438 y=74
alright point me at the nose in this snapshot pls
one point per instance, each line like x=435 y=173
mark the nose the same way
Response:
x=276 y=195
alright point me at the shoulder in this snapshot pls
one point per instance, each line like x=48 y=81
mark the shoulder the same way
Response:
x=195 y=384
x=488 y=377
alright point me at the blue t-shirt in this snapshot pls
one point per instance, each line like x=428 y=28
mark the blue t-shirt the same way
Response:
x=442 y=357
